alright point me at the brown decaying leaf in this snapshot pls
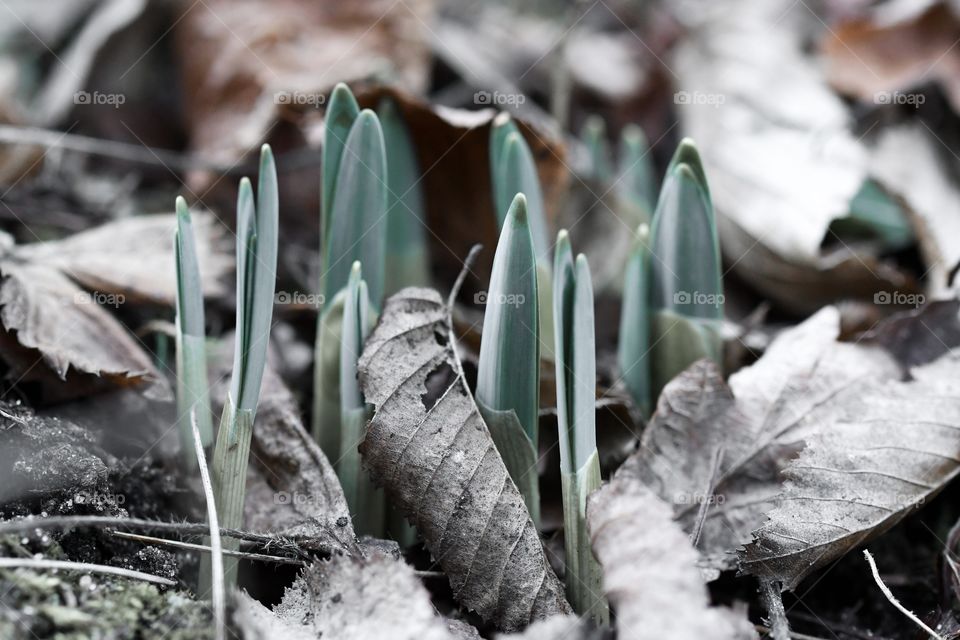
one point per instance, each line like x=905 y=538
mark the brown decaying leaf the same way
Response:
x=441 y=468
x=779 y=153
x=239 y=56
x=882 y=53
x=755 y=425
x=291 y=487
x=649 y=566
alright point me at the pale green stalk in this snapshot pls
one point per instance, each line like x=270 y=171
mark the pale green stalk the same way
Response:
x=513 y=171
x=508 y=376
x=576 y=372
x=365 y=500
x=257 y=226
x=407 y=260
x=594 y=138
x=193 y=390
x=633 y=349
x=685 y=287
x=635 y=181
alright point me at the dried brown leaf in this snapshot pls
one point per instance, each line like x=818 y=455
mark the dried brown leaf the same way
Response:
x=433 y=454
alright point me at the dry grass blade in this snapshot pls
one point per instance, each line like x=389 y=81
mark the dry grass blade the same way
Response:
x=216 y=549
x=62 y=565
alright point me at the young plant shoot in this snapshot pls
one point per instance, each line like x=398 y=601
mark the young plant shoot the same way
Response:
x=407 y=262
x=366 y=501
x=355 y=231
x=635 y=182
x=686 y=294
x=513 y=171
x=576 y=373
x=594 y=138
x=193 y=390
x=508 y=377
x=634 y=344
x=256 y=280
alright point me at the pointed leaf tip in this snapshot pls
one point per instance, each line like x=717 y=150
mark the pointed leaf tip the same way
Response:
x=518 y=209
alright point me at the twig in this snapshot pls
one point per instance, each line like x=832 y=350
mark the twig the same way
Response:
x=793 y=634
x=66 y=522
x=707 y=496
x=773 y=603
x=455 y=289
x=31 y=563
x=216 y=550
x=192 y=546
x=889 y=595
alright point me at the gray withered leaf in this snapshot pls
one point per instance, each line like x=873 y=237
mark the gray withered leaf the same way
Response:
x=650 y=568
x=882 y=450
x=349 y=598
x=429 y=448
x=727 y=444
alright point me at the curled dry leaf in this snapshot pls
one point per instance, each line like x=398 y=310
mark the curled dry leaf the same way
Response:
x=781 y=157
x=650 y=567
x=429 y=448
x=349 y=599
x=44 y=309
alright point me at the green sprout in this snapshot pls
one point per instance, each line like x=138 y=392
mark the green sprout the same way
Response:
x=257 y=222
x=191 y=359
x=513 y=171
x=355 y=230
x=508 y=376
x=407 y=262
x=594 y=138
x=635 y=182
x=634 y=344
x=576 y=373
x=686 y=292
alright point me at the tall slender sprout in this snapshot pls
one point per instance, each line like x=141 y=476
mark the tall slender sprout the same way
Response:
x=508 y=377
x=365 y=500
x=576 y=374
x=407 y=261
x=634 y=344
x=594 y=138
x=257 y=222
x=685 y=286
x=193 y=390
x=513 y=171
x=635 y=181
x=356 y=231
